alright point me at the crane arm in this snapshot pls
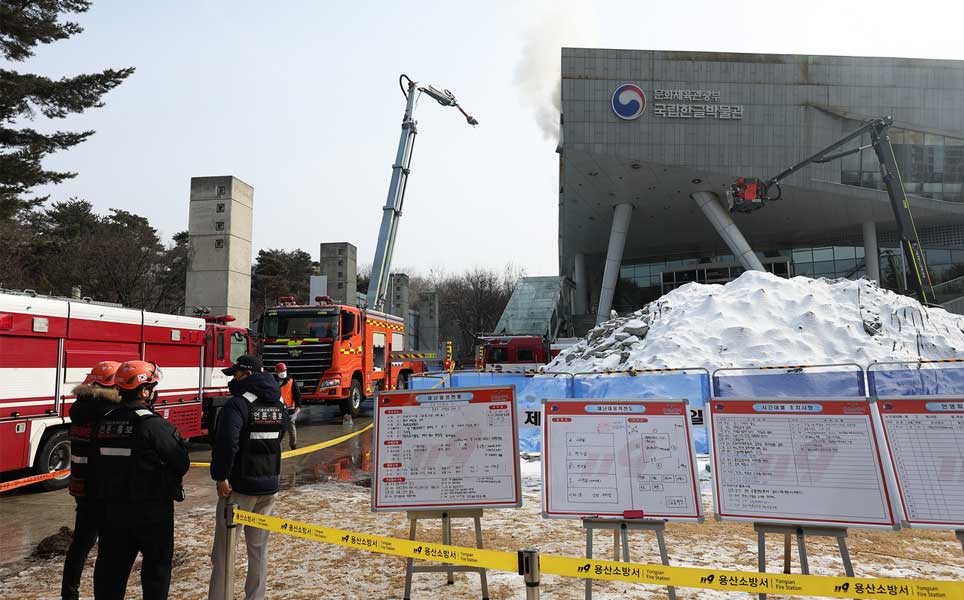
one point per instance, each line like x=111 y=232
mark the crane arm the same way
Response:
x=749 y=194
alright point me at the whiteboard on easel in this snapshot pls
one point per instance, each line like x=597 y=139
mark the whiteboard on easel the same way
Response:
x=798 y=461
x=925 y=441
x=619 y=458
x=446 y=449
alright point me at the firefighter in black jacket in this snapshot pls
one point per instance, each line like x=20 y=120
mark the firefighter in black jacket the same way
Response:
x=92 y=399
x=245 y=464
x=141 y=460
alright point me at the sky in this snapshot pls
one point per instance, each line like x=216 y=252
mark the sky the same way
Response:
x=301 y=100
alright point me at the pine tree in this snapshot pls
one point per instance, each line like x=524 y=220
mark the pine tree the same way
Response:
x=23 y=25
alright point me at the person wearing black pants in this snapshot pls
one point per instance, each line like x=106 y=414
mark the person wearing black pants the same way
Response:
x=141 y=461
x=92 y=399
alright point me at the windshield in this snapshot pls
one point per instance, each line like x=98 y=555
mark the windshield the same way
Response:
x=301 y=325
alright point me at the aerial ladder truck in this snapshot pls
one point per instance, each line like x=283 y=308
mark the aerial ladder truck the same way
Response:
x=748 y=194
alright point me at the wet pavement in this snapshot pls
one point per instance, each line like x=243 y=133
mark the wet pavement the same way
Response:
x=27 y=516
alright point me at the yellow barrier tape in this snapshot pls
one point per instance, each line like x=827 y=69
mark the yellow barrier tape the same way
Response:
x=458 y=555
x=311 y=448
x=692 y=577
x=757 y=583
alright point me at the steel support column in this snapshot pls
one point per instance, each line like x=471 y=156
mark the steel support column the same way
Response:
x=614 y=256
x=871 y=257
x=724 y=225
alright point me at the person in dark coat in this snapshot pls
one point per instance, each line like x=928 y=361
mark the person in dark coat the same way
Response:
x=141 y=462
x=91 y=400
x=246 y=465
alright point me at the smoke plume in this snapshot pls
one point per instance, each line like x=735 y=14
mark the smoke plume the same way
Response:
x=554 y=24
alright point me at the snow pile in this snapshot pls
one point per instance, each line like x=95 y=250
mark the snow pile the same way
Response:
x=761 y=319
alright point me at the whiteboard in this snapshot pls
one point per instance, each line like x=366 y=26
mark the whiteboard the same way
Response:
x=446 y=449
x=925 y=442
x=798 y=461
x=619 y=458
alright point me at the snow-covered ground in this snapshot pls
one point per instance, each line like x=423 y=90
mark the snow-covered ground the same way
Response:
x=761 y=319
x=302 y=569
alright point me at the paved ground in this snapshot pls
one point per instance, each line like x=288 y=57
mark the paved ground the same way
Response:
x=28 y=516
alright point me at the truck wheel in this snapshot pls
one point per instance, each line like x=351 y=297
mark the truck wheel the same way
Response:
x=352 y=404
x=54 y=455
x=402 y=382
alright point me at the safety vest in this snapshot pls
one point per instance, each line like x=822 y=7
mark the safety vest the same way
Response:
x=260 y=442
x=81 y=469
x=126 y=469
x=286 y=394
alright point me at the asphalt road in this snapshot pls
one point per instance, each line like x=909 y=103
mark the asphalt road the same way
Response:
x=27 y=516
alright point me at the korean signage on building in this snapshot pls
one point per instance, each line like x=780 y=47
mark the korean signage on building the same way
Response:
x=629 y=102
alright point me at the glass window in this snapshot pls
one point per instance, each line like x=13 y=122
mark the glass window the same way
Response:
x=860 y=251
x=398 y=341
x=821 y=254
x=868 y=161
x=239 y=345
x=803 y=268
x=870 y=180
x=850 y=162
x=850 y=178
x=803 y=255
x=220 y=345
x=824 y=268
x=379 y=356
x=938 y=256
x=497 y=355
x=954 y=162
x=844 y=252
x=627 y=272
x=933 y=140
x=844 y=267
x=525 y=355
x=300 y=325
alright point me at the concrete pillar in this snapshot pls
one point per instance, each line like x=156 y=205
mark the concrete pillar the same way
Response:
x=614 y=256
x=581 y=302
x=724 y=225
x=871 y=257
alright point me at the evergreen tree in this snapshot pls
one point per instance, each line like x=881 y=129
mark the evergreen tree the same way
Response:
x=24 y=24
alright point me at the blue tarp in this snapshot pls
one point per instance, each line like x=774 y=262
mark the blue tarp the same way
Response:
x=827 y=384
x=914 y=381
x=531 y=390
x=694 y=387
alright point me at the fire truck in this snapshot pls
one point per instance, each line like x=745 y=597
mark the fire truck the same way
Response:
x=337 y=354
x=517 y=352
x=49 y=344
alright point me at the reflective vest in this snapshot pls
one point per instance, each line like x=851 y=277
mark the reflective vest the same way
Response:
x=260 y=442
x=286 y=394
x=126 y=468
x=81 y=469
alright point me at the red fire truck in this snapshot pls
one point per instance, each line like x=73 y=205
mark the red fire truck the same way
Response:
x=338 y=354
x=517 y=352
x=48 y=345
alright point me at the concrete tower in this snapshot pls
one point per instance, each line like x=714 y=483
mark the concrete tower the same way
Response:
x=220 y=223
x=339 y=262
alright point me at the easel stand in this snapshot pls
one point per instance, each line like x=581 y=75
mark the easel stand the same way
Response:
x=800 y=531
x=446 y=516
x=620 y=529
x=960 y=537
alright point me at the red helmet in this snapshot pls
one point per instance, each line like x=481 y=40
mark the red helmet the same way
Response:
x=280 y=368
x=135 y=373
x=103 y=373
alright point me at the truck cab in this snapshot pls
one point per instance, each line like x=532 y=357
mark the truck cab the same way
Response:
x=337 y=354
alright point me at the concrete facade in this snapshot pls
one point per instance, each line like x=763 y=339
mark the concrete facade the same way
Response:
x=709 y=118
x=220 y=230
x=339 y=262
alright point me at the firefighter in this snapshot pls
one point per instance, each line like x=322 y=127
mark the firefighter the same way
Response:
x=291 y=396
x=141 y=460
x=246 y=464
x=93 y=399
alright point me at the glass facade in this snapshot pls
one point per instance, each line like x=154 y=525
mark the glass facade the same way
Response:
x=930 y=165
x=644 y=281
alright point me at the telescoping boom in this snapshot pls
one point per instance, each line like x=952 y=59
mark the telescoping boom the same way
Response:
x=748 y=194
x=392 y=212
